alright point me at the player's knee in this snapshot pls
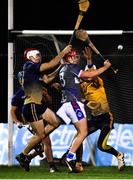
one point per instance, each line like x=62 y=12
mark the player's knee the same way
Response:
x=102 y=146
x=56 y=124
x=106 y=129
x=42 y=136
x=83 y=134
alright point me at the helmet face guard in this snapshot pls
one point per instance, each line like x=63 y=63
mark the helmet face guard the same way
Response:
x=72 y=55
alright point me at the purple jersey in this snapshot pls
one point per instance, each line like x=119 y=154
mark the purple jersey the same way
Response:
x=70 y=83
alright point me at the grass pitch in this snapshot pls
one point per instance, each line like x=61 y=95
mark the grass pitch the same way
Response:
x=42 y=172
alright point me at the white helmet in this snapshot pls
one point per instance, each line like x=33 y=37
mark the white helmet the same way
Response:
x=31 y=52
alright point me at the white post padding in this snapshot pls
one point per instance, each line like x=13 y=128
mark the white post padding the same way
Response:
x=10 y=84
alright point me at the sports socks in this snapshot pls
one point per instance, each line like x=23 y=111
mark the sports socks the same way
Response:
x=70 y=156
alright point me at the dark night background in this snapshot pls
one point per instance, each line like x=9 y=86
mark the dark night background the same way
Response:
x=58 y=15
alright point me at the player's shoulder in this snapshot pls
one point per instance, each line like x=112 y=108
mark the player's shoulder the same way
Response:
x=28 y=63
x=20 y=91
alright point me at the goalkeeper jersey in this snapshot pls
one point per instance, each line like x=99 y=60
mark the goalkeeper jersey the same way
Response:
x=94 y=93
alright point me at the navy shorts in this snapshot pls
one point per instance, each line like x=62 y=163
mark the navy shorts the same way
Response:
x=99 y=122
x=33 y=112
